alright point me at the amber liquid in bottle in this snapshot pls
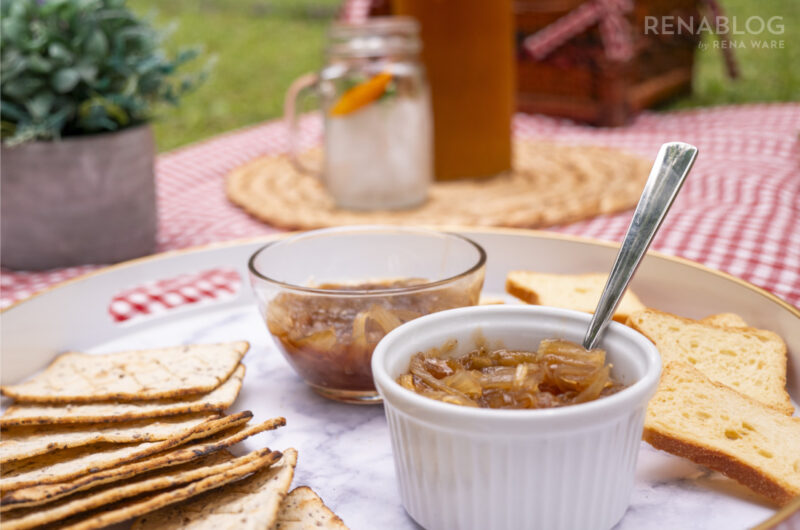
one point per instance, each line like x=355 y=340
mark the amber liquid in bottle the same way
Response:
x=469 y=58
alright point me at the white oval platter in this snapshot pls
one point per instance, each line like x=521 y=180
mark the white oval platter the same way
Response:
x=344 y=450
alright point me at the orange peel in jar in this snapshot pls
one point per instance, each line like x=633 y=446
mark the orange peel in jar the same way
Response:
x=361 y=95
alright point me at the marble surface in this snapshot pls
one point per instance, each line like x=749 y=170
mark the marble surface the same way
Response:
x=345 y=452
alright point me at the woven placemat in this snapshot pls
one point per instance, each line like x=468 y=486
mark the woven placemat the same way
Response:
x=551 y=184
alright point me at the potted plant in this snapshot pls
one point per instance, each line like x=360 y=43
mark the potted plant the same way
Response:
x=81 y=79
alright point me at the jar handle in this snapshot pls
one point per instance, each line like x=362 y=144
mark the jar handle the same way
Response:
x=298 y=88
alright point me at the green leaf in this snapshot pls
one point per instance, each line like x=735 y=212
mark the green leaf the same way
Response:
x=19 y=9
x=131 y=85
x=65 y=79
x=40 y=36
x=108 y=107
x=52 y=7
x=96 y=46
x=87 y=71
x=22 y=87
x=186 y=55
x=37 y=63
x=102 y=84
x=57 y=119
x=148 y=64
x=7 y=128
x=40 y=105
x=86 y=5
x=58 y=51
x=13 y=64
x=14 y=30
x=9 y=111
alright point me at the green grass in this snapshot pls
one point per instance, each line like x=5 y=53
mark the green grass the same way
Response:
x=259 y=48
x=262 y=45
x=765 y=74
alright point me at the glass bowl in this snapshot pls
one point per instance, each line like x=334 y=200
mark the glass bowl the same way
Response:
x=329 y=296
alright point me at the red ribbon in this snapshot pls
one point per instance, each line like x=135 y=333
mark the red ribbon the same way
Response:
x=609 y=15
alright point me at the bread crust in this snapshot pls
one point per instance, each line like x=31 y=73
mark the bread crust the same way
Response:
x=525 y=295
x=729 y=466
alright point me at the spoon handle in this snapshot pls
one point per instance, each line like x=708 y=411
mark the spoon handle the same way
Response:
x=672 y=164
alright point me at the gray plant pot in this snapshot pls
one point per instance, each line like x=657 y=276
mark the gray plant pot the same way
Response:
x=79 y=200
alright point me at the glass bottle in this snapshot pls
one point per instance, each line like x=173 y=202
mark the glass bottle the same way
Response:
x=468 y=52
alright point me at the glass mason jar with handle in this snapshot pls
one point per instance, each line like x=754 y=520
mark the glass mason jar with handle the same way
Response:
x=377 y=117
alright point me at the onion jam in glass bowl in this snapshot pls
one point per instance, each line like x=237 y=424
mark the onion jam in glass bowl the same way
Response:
x=330 y=339
x=329 y=296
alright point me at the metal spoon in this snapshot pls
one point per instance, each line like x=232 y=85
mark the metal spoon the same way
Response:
x=672 y=164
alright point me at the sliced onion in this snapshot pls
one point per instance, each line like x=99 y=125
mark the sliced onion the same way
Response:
x=383 y=317
x=360 y=330
x=558 y=374
x=324 y=340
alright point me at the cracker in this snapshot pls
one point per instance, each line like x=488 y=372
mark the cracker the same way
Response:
x=37 y=495
x=132 y=375
x=252 y=504
x=72 y=463
x=218 y=399
x=214 y=464
x=19 y=443
x=276 y=476
x=303 y=509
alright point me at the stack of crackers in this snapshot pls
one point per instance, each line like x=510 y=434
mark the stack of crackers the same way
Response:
x=101 y=439
x=722 y=399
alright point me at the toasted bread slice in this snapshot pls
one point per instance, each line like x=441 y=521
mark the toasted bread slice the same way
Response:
x=580 y=292
x=725 y=320
x=751 y=361
x=713 y=425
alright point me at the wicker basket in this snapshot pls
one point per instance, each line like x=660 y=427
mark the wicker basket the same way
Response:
x=577 y=81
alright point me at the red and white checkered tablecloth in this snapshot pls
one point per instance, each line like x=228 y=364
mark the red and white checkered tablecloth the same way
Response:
x=739 y=210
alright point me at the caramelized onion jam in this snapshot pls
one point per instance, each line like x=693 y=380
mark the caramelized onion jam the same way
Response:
x=329 y=339
x=559 y=373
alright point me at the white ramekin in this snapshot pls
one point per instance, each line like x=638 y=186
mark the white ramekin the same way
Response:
x=467 y=468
